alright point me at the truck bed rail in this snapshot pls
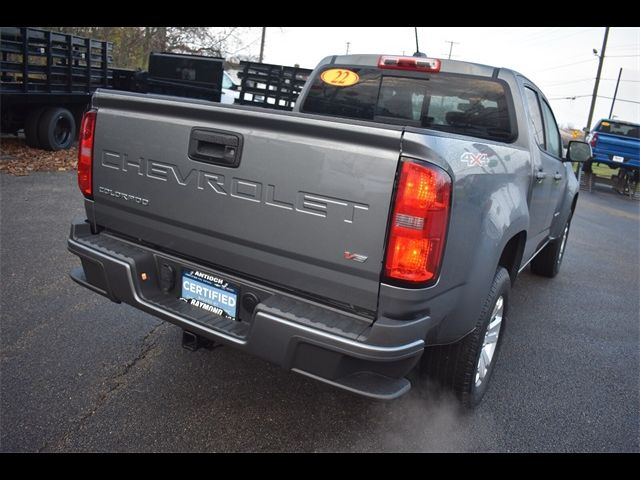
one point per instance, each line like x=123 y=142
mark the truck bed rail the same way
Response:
x=40 y=61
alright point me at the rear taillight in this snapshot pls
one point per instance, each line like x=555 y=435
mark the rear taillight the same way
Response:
x=594 y=140
x=418 y=223
x=85 y=153
x=419 y=64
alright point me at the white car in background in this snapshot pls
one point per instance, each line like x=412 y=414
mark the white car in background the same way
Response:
x=230 y=89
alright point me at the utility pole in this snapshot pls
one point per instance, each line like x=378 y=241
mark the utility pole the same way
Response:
x=595 y=87
x=595 y=91
x=348 y=43
x=451 y=44
x=615 y=94
x=264 y=32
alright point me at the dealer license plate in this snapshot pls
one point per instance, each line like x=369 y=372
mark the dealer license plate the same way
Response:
x=210 y=293
x=617 y=158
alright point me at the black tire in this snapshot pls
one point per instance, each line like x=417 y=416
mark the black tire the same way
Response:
x=547 y=263
x=456 y=366
x=56 y=129
x=31 y=127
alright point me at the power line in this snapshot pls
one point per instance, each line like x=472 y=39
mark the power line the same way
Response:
x=636 y=48
x=533 y=37
x=562 y=37
x=573 y=97
x=622 y=56
x=557 y=84
x=637 y=45
x=620 y=99
x=622 y=80
x=566 y=65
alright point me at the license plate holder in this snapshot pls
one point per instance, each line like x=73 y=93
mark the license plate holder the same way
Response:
x=210 y=293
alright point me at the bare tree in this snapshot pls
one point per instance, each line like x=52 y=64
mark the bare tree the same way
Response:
x=132 y=45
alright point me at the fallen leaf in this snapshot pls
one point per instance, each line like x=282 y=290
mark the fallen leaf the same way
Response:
x=16 y=158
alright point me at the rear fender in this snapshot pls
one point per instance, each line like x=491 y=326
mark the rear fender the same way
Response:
x=489 y=206
x=496 y=233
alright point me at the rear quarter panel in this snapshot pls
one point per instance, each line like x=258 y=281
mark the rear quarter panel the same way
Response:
x=489 y=206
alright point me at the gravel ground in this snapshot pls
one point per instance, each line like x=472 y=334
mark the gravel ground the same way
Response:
x=79 y=373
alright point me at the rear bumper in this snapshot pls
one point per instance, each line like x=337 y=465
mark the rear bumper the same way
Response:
x=605 y=156
x=316 y=341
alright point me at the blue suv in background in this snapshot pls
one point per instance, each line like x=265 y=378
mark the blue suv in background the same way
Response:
x=616 y=143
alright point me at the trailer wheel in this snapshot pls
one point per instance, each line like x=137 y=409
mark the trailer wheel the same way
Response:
x=56 y=129
x=31 y=127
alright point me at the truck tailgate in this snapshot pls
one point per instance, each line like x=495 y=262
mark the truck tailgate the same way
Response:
x=304 y=191
x=609 y=145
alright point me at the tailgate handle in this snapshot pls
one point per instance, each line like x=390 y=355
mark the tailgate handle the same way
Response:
x=215 y=146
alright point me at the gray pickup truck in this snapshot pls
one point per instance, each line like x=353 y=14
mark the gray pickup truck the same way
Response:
x=376 y=228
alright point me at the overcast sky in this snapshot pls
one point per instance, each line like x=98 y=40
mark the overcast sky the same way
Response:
x=559 y=60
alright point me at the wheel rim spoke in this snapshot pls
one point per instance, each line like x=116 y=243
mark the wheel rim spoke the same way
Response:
x=563 y=244
x=481 y=367
x=486 y=357
x=492 y=337
x=490 y=341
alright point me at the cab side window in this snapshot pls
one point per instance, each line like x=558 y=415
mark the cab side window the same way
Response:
x=552 y=133
x=535 y=116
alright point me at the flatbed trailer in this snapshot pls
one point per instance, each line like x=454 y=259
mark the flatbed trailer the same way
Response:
x=47 y=80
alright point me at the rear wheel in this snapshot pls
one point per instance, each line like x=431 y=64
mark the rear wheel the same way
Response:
x=467 y=366
x=56 y=129
x=547 y=262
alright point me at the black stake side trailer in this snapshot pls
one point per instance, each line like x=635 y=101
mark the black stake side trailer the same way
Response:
x=270 y=86
x=47 y=79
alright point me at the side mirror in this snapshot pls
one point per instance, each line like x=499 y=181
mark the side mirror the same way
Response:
x=578 y=152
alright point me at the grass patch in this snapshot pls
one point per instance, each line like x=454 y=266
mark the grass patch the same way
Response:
x=602 y=170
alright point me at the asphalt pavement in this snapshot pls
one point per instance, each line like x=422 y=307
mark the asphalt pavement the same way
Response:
x=79 y=373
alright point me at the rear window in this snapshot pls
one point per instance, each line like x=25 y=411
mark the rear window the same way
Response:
x=448 y=102
x=622 y=129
